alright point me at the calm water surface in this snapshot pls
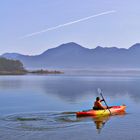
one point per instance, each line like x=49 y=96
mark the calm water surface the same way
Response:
x=43 y=107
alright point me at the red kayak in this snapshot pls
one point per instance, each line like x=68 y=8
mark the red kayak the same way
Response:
x=111 y=111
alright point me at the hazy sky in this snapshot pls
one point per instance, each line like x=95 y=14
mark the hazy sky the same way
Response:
x=20 y=18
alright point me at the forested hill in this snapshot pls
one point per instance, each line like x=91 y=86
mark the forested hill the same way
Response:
x=15 y=67
x=8 y=66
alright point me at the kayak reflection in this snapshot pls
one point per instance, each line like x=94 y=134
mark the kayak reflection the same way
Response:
x=102 y=120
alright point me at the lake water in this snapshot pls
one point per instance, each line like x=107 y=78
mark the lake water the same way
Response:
x=43 y=107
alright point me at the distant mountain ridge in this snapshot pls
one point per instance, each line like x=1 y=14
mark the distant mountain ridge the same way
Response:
x=75 y=56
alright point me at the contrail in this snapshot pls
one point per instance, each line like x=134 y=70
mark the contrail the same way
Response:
x=67 y=24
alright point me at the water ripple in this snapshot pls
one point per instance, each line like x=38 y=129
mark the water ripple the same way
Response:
x=40 y=121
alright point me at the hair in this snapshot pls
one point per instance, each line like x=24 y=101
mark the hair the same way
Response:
x=98 y=98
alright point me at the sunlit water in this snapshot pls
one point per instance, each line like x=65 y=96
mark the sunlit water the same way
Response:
x=43 y=107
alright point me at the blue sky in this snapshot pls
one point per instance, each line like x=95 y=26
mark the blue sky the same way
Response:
x=22 y=17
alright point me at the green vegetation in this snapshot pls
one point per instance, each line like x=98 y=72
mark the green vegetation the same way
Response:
x=15 y=67
x=46 y=72
x=8 y=66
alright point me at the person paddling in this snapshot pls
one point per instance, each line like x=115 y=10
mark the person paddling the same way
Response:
x=98 y=105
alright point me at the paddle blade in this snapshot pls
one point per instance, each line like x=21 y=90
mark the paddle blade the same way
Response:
x=99 y=90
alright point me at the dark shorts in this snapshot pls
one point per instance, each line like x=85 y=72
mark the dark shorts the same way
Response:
x=95 y=108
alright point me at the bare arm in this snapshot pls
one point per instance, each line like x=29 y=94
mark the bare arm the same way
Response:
x=101 y=106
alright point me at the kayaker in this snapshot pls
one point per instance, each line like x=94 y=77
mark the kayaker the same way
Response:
x=98 y=105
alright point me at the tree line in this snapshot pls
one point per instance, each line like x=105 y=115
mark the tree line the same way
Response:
x=10 y=65
x=15 y=67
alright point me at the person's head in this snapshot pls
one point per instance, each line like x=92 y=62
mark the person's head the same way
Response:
x=98 y=98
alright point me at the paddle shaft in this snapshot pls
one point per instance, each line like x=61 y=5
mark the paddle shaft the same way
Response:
x=105 y=103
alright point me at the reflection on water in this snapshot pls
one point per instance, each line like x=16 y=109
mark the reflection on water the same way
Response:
x=102 y=120
x=52 y=121
x=73 y=87
x=26 y=97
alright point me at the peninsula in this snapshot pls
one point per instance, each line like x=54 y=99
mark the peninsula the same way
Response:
x=15 y=67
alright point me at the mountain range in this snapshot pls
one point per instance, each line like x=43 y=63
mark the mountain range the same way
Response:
x=75 y=56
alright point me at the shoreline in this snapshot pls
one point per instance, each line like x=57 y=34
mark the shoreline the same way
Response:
x=74 y=72
x=40 y=72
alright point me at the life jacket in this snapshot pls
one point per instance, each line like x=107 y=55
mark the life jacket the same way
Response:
x=98 y=105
